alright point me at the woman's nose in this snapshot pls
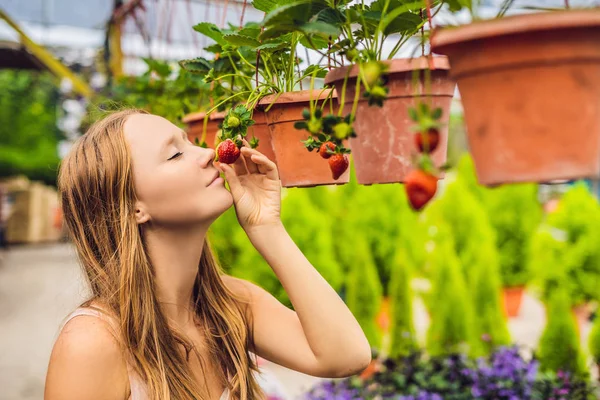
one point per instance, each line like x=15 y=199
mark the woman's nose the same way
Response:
x=206 y=157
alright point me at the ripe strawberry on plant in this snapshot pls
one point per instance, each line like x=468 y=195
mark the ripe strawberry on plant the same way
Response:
x=228 y=152
x=338 y=163
x=420 y=187
x=427 y=142
x=427 y=136
x=327 y=149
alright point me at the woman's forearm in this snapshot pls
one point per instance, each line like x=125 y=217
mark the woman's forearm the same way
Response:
x=331 y=330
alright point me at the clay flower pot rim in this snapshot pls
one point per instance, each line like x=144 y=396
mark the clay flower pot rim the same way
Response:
x=514 y=24
x=395 y=65
x=192 y=117
x=296 y=97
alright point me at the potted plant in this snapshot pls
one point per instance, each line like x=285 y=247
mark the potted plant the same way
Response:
x=273 y=60
x=529 y=86
x=301 y=120
x=383 y=90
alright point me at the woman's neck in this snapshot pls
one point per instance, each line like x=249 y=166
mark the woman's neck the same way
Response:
x=175 y=256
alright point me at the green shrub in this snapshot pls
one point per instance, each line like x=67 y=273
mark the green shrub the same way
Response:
x=309 y=227
x=402 y=331
x=515 y=213
x=381 y=216
x=363 y=292
x=559 y=348
x=594 y=341
x=155 y=91
x=451 y=329
x=578 y=216
x=29 y=135
x=546 y=264
x=474 y=244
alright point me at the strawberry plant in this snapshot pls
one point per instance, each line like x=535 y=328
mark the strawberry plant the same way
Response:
x=328 y=134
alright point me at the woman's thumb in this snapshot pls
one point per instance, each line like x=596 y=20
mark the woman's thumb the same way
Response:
x=234 y=182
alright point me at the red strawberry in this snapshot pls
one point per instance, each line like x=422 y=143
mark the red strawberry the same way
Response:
x=323 y=150
x=228 y=152
x=420 y=187
x=338 y=163
x=428 y=142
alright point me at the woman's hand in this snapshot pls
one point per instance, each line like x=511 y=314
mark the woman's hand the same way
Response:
x=255 y=187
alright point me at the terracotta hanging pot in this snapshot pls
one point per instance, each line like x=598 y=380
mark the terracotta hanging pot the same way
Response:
x=260 y=130
x=530 y=87
x=512 y=296
x=297 y=166
x=383 y=149
x=195 y=126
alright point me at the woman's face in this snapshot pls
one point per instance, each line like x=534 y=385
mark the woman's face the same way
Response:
x=174 y=179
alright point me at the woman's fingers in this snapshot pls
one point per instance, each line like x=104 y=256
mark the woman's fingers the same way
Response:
x=239 y=166
x=264 y=165
x=251 y=165
x=232 y=178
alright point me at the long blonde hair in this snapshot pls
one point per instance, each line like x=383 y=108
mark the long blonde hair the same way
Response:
x=97 y=195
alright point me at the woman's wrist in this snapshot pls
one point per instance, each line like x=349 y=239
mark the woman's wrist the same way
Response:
x=263 y=233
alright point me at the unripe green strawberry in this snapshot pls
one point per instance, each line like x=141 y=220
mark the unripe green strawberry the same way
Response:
x=342 y=130
x=233 y=121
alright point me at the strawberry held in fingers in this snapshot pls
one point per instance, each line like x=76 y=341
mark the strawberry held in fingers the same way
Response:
x=227 y=152
x=338 y=163
x=429 y=141
x=420 y=187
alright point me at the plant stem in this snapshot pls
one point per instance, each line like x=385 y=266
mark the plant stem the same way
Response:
x=243 y=12
x=343 y=96
x=422 y=35
x=257 y=64
x=356 y=97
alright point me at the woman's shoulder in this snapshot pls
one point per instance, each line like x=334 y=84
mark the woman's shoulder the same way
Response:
x=86 y=360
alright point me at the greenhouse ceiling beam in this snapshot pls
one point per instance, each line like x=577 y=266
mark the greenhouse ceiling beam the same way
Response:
x=44 y=56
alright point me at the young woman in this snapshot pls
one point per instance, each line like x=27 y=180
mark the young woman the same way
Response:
x=163 y=321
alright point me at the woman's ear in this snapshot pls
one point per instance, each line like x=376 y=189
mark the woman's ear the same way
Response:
x=141 y=214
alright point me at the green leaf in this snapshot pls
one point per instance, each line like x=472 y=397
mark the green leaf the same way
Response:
x=437 y=113
x=250 y=31
x=197 y=65
x=214 y=48
x=210 y=30
x=320 y=71
x=241 y=40
x=330 y=16
x=272 y=46
x=320 y=29
x=277 y=31
x=266 y=5
x=300 y=125
x=405 y=23
x=412 y=113
x=162 y=69
x=316 y=42
x=296 y=13
x=392 y=15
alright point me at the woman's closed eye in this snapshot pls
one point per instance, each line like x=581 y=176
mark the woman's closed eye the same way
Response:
x=176 y=155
